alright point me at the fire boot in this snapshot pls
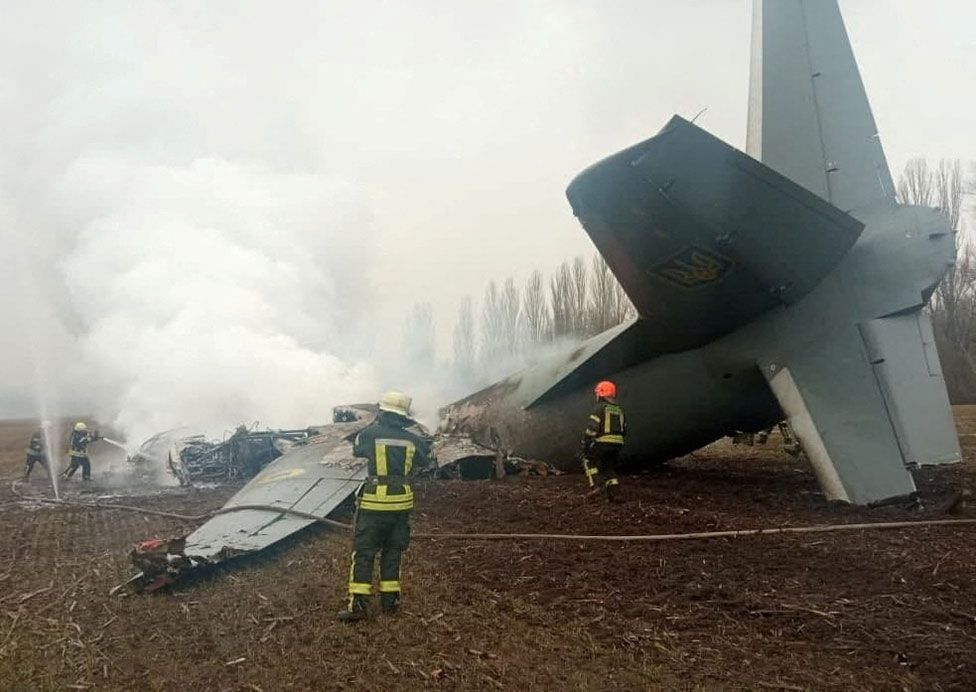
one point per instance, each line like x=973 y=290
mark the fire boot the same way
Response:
x=356 y=611
x=390 y=602
x=612 y=487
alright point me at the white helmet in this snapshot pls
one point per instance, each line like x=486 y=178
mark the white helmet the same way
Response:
x=80 y=427
x=395 y=402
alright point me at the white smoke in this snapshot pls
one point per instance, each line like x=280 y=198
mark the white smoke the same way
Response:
x=214 y=293
x=194 y=193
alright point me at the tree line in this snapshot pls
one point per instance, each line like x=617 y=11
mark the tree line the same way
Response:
x=579 y=300
x=517 y=321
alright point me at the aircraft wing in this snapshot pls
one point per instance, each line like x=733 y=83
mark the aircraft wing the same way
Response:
x=313 y=478
x=704 y=238
x=809 y=116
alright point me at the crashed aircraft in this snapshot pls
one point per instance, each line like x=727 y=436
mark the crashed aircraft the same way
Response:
x=783 y=282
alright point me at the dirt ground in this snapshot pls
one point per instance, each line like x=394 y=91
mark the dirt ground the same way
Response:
x=880 y=610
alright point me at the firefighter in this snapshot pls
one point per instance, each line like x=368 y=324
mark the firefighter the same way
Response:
x=78 y=451
x=36 y=454
x=385 y=500
x=604 y=438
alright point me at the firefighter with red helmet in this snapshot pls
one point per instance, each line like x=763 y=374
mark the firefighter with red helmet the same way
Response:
x=604 y=438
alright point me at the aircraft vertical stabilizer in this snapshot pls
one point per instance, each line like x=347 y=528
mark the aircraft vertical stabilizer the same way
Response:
x=809 y=116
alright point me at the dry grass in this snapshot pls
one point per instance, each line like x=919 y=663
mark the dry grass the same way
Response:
x=845 y=611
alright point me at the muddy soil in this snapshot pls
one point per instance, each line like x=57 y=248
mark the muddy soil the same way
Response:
x=880 y=610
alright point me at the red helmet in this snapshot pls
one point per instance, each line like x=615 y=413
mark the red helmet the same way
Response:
x=605 y=390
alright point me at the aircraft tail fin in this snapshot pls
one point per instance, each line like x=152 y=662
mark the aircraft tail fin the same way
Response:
x=809 y=116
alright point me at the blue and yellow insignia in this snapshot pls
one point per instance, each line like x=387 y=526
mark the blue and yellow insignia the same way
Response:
x=694 y=267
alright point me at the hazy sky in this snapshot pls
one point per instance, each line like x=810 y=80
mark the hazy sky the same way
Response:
x=442 y=136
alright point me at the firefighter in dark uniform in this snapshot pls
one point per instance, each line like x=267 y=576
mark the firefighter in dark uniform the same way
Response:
x=604 y=438
x=78 y=451
x=383 y=516
x=36 y=454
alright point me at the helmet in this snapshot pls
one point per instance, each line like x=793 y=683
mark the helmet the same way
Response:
x=80 y=427
x=605 y=389
x=395 y=402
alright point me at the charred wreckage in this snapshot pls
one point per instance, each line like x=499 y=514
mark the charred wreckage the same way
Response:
x=297 y=478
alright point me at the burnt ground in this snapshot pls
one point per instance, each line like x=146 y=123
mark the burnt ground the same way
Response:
x=888 y=610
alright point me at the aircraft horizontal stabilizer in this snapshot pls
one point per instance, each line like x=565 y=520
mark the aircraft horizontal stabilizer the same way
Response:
x=704 y=238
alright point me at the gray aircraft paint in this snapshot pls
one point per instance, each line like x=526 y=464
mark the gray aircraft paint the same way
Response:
x=793 y=287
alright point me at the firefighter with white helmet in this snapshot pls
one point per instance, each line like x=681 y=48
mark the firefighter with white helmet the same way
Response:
x=384 y=504
x=81 y=437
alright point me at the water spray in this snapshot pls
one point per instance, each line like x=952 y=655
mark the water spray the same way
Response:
x=51 y=450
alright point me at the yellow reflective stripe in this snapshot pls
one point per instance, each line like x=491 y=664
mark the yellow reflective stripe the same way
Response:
x=382 y=468
x=386 y=506
x=595 y=418
x=389 y=587
x=590 y=471
x=360 y=589
x=382 y=463
x=612 y=439
x=383 y=494
x=589 y=433
x=612 y=481
x=608 y=413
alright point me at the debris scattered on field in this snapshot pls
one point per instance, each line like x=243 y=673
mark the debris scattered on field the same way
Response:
x=459 y=457
x=195 y=459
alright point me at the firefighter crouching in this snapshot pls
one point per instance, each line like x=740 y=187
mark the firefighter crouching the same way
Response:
x=36 y=454
x=604 y=438
x=383 y=515
x=81 y=437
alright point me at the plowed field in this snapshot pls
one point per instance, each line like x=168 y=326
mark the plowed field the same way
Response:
x=878 y=610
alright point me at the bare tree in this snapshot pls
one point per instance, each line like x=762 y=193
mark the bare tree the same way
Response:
x=578 y=296
x=916 y=186
x=535 y=311
x=510 y=310
x=492 y=325
x=464 y=345
x=608 y=304
x=560 y=299
x=947 y=184
x=418 y=337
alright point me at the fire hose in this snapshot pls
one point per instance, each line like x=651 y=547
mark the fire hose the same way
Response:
x=701 y=535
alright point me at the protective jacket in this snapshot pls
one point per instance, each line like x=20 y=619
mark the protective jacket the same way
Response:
x=35 y=448
x=606 y=424
x=78 y=445
x=392 y=452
